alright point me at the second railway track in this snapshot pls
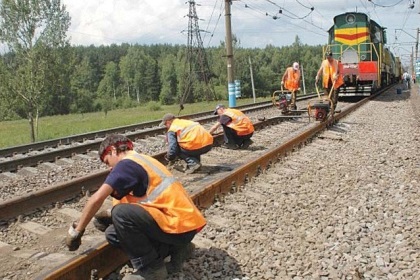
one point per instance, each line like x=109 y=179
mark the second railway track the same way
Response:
x=13 y=159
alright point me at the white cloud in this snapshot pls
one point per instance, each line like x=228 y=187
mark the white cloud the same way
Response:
x=161 y=21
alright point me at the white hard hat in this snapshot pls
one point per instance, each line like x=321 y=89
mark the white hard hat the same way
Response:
x=295 y=65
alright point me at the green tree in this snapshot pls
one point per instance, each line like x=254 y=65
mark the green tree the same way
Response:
x=82 y=87
x=32 y=30
x=108 y=86
x=139 y=71
x=7 y=101
x=168 y=80
x=107 y=89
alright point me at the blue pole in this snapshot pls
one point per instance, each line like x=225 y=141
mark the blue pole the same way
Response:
x=232 y=96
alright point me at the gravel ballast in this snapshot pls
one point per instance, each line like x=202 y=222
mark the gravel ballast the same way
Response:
x=346 y=206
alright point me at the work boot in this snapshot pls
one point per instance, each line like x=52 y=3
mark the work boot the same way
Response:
x=179 y=168
x=178 y=256
x=193 y=168
x=154 y=271
x=246 y=143
x=230 y=146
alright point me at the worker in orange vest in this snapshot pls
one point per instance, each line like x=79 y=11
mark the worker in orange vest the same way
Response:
x=187 y=140
x=152 y=217
x=330 y=76
x=290 y=81
x=237 y=127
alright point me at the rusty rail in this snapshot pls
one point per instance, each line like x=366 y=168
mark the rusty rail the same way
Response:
x=106 y=259
x=52 y=194
x=132 y=131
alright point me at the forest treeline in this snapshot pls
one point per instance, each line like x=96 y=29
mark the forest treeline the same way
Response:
x=41 y=74
x=89 y=78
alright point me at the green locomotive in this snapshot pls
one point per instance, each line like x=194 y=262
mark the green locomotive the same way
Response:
x=359 y=44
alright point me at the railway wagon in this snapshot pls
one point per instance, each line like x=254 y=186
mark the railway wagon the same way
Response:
x=359 y=44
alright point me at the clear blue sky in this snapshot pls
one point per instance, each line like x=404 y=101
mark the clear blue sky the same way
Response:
x=256 y=23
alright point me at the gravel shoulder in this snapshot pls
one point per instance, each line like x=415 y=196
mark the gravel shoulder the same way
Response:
x=346 y=206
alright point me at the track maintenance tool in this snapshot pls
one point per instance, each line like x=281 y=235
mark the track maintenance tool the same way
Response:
x=324 y=107
x=282 y=100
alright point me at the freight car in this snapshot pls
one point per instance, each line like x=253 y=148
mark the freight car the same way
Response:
x=359 y=44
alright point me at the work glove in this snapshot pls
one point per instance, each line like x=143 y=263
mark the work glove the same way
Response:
x=335 y=77
x=102 y=220
x=316 y=79
x=74 y=238
x=282 y=83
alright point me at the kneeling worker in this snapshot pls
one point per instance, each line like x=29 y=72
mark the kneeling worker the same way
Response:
x=152 y=217
x=187 y=140
x=237 y=127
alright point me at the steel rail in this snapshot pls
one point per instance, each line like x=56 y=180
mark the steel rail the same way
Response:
x=54 y=143
x=61 y=191
x=51 y=156
x=104 y=258
x=25 y=204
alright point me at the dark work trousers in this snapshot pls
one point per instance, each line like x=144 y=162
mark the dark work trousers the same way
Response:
x=334 y=95
x=192 y=157
x=293 y=99
x=232 y=137
x=136 y=232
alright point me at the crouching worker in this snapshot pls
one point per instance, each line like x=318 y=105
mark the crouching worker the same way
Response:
x=152 y=217
x=237 y=127
x=187 y=140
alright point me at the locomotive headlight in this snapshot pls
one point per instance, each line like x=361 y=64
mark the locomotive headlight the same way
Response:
x=363 y=57
x=350 y=19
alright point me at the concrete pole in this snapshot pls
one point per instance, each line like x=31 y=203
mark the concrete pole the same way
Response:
x=229 y=55
x=412 y=62
x=417 y=43
x=416 y=69
x=303 y=80
x=252 y=79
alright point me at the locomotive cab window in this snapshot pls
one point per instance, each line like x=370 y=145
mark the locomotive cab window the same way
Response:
x=377 y=35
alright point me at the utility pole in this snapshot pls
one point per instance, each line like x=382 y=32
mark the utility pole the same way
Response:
x=303 y=80
x=417 y=62
x=252 y=79
x=197 y=66
x=417 y=43
x=412 y=62
x=229 y=55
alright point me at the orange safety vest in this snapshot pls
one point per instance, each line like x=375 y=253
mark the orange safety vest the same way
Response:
x=240 y=123
x=328 y=70
x=292 y=81
x=165 y=200
x=190 y=135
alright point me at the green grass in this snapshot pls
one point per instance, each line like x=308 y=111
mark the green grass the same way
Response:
x=14 y=133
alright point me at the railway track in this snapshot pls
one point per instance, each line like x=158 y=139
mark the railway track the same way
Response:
x=49 y=151
x=48 y=195
x=30 y=179
x=12 y=159
x=215 y=181
x=203 y=196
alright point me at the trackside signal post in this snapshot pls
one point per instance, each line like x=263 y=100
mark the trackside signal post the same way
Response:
x=229 y=55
